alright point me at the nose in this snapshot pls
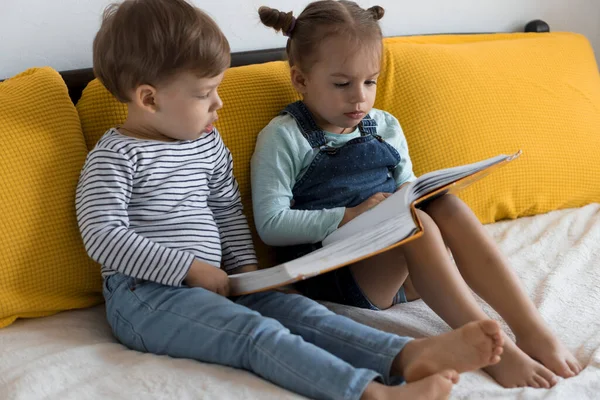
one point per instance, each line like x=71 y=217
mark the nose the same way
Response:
x=358 y=95
x=218 y=103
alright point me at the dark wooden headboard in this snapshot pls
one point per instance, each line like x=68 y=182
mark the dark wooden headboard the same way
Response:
x=77 y=79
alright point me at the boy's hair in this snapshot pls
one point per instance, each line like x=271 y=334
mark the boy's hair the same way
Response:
x=149 y=41
x=320 y=20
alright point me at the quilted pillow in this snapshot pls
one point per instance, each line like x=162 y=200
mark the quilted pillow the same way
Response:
x=43 y=265
x=463 y=98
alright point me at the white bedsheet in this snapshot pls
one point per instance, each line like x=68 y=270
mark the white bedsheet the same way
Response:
x=73 y=355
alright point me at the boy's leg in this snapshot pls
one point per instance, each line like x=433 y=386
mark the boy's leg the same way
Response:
x=473 y=250
x=355 y=343
x=196 y=323
x=471 y=347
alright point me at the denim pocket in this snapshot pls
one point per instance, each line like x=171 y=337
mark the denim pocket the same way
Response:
x=124 y=331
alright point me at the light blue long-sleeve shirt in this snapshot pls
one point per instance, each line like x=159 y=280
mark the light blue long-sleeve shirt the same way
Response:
x=282 y=156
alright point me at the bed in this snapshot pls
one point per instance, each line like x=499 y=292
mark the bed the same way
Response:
x=73 y=355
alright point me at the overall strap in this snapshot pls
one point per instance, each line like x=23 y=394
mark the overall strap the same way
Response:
x=311 y=132
x=368 y=126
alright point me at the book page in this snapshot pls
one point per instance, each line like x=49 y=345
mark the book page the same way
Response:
x=431 y=181
x=393 y=205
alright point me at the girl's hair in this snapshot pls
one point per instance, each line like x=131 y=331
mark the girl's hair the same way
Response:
x=319 y=21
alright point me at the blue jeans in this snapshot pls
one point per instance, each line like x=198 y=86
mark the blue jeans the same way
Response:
x=287 y=339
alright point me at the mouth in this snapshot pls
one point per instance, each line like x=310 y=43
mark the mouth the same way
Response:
x=355 y=115
x=209 y=128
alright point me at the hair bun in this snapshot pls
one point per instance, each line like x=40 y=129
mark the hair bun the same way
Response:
x=278 y=20
x=377 y=11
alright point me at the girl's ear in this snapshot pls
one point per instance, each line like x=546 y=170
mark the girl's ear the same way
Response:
x=299 y=79
x=144 y=97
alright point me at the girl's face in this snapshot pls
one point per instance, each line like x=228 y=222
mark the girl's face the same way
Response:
x=340 y=87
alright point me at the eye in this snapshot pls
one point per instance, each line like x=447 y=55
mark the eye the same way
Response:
x=339 y=85
x=203 y=96
x=371 y=83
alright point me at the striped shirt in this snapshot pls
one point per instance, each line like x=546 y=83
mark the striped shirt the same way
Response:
x=147 y=208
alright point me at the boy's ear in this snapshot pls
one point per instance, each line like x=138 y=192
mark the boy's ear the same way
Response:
x=144 y=97
x=298 y=79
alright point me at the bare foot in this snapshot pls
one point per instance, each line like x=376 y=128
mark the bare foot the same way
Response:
x=434 y=387
x=473 y=346
x=517 y=369
x=551 y=353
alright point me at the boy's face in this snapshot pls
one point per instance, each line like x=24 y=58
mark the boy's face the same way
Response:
x=340 y=88
x=186 y=106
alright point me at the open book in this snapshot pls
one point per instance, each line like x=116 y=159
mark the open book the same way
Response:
x=390 y=224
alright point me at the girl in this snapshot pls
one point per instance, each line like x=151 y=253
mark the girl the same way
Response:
x=331 y=156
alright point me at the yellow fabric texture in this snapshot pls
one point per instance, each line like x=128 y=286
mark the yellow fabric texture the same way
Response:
x=464 y=98
x=98 y=111
x=43 y=266
x=252 y=95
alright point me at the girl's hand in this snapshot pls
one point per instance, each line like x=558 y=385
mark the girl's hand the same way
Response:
x=353 y=212
x=208 y=277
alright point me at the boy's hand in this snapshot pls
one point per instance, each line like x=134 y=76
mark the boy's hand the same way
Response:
x=353 y=212
x=208 y=277
x=245 y=268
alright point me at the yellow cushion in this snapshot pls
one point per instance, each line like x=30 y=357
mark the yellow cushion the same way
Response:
x=252 y=95
x=463 y=98
x=43 y=265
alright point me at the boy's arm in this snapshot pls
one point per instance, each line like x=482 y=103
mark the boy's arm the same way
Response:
x=244 y=268
x=102 y=198
x=276 y=163
x=225 y=203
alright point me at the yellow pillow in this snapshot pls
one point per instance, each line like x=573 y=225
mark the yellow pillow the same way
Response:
x=463 y=98
x=43 y=265
x=252 y=95
x=98 y=111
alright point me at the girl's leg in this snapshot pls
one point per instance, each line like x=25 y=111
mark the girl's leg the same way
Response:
x=442 y=287
x=474 y=252
x=199 y=324
x=471 y=347
x=380 y=278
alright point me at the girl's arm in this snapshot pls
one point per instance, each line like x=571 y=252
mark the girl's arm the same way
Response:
x=277 y=162
x=389 y=128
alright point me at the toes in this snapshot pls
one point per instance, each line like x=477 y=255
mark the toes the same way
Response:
x=490 y=327
x=450 y=375
x=532 y=382
x=547 y=375
x=564 y=370
x=574 y=366
x=495 y=360
x=541 y=382
x=496 y=351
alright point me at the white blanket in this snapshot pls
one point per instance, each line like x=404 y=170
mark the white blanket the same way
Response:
x=73 y=355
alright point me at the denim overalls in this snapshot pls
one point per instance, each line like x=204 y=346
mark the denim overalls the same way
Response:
x=339 y=177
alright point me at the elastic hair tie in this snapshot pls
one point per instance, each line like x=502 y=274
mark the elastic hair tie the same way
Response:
x=291 y=29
